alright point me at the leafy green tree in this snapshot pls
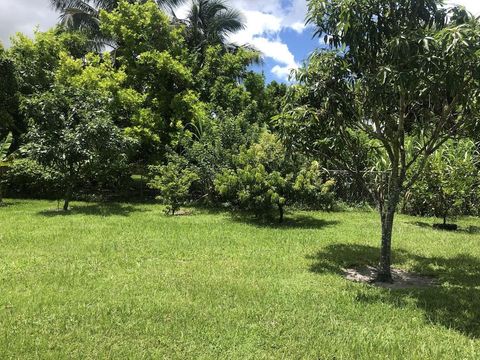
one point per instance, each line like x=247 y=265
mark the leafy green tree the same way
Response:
x=311 y=188
x=153 y=55
x=173 y=181
x=212 y=145
x=27 y=178
x=84 y=15
x=397 y=70
x=8 y=95
x=449 y=177
x=34 y=62
x=71 y=128
x=264 y=178
x=217 y=80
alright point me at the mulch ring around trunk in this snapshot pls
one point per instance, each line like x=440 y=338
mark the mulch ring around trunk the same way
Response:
x=401 y=278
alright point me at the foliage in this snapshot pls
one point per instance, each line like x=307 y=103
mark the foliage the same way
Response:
x=396 y=69
x=311 y=188
x=5 y=162
x=210 y=22
x=154 y=58
x=257 y=184
x=84 y=16
x=35 y=62
x=173 y=181
x=211 y=147
x=72 y=133
x=26 y=177
x=217 y=79
x=264 y=177
x=446 y=184
x=8 y=95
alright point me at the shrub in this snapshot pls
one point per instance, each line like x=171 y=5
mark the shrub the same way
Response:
x=173 y=181
x=448 y=182
x=265 y=178
x=26 y=177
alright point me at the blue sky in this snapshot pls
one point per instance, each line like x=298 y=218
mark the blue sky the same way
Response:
x=275 y=27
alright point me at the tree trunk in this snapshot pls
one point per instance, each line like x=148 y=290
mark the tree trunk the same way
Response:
x=68 y=197
x=281 y=213
x=384 y=271
x=387 y=214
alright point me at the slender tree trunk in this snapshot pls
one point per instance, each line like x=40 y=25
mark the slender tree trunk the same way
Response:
x=387 y=214
x=281 y=213
x=68 y=198
x=384 y=271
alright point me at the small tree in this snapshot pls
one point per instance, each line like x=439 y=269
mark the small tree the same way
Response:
x=445 y=185
x=265 y=178
x=173 y=181
x=71 y=128
x=398 y=70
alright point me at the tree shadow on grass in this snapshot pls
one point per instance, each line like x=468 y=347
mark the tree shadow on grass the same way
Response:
x=104 y=209
x=290 y=222
x=454 y=303
x=6 y=204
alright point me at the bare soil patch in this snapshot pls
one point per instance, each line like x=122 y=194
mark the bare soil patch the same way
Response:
x=401 y=278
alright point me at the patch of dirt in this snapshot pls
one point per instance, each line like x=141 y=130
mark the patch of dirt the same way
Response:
x=401 y=278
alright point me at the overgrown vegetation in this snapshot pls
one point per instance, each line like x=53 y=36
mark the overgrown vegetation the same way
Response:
x=386 y=116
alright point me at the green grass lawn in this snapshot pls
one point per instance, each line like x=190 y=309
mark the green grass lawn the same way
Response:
x=126 y=281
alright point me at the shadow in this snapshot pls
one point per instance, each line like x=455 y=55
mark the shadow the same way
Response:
x=290 y=222
x=470 y=230
x=454 y=303
x=6 y=204
x=421 y=224
x=104 y=209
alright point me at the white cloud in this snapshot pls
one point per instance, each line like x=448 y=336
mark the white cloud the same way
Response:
x=282 y=72
x=257 y=24
x=277 y=50
x=471 y=5
x=24 y=16
x=265 y=20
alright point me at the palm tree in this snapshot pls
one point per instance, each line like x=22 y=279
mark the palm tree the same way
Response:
x=209 y=22
x=83 y=15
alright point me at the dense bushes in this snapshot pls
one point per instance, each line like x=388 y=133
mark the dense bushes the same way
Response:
x=265 y=177
x=449 y=185
x=26 y=177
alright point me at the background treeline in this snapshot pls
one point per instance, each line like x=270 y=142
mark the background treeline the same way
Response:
x=124 y=101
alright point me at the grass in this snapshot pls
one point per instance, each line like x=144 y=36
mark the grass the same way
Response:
x=125 y=281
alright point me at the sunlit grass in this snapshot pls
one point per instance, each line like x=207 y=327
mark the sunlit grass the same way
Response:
x=126 y=281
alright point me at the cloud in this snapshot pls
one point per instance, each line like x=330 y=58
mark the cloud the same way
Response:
x=265 y=20
x=276 y=50
x=24 y=16
x=472 y=5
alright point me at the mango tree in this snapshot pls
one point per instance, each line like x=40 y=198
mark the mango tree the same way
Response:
x=395 y=71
